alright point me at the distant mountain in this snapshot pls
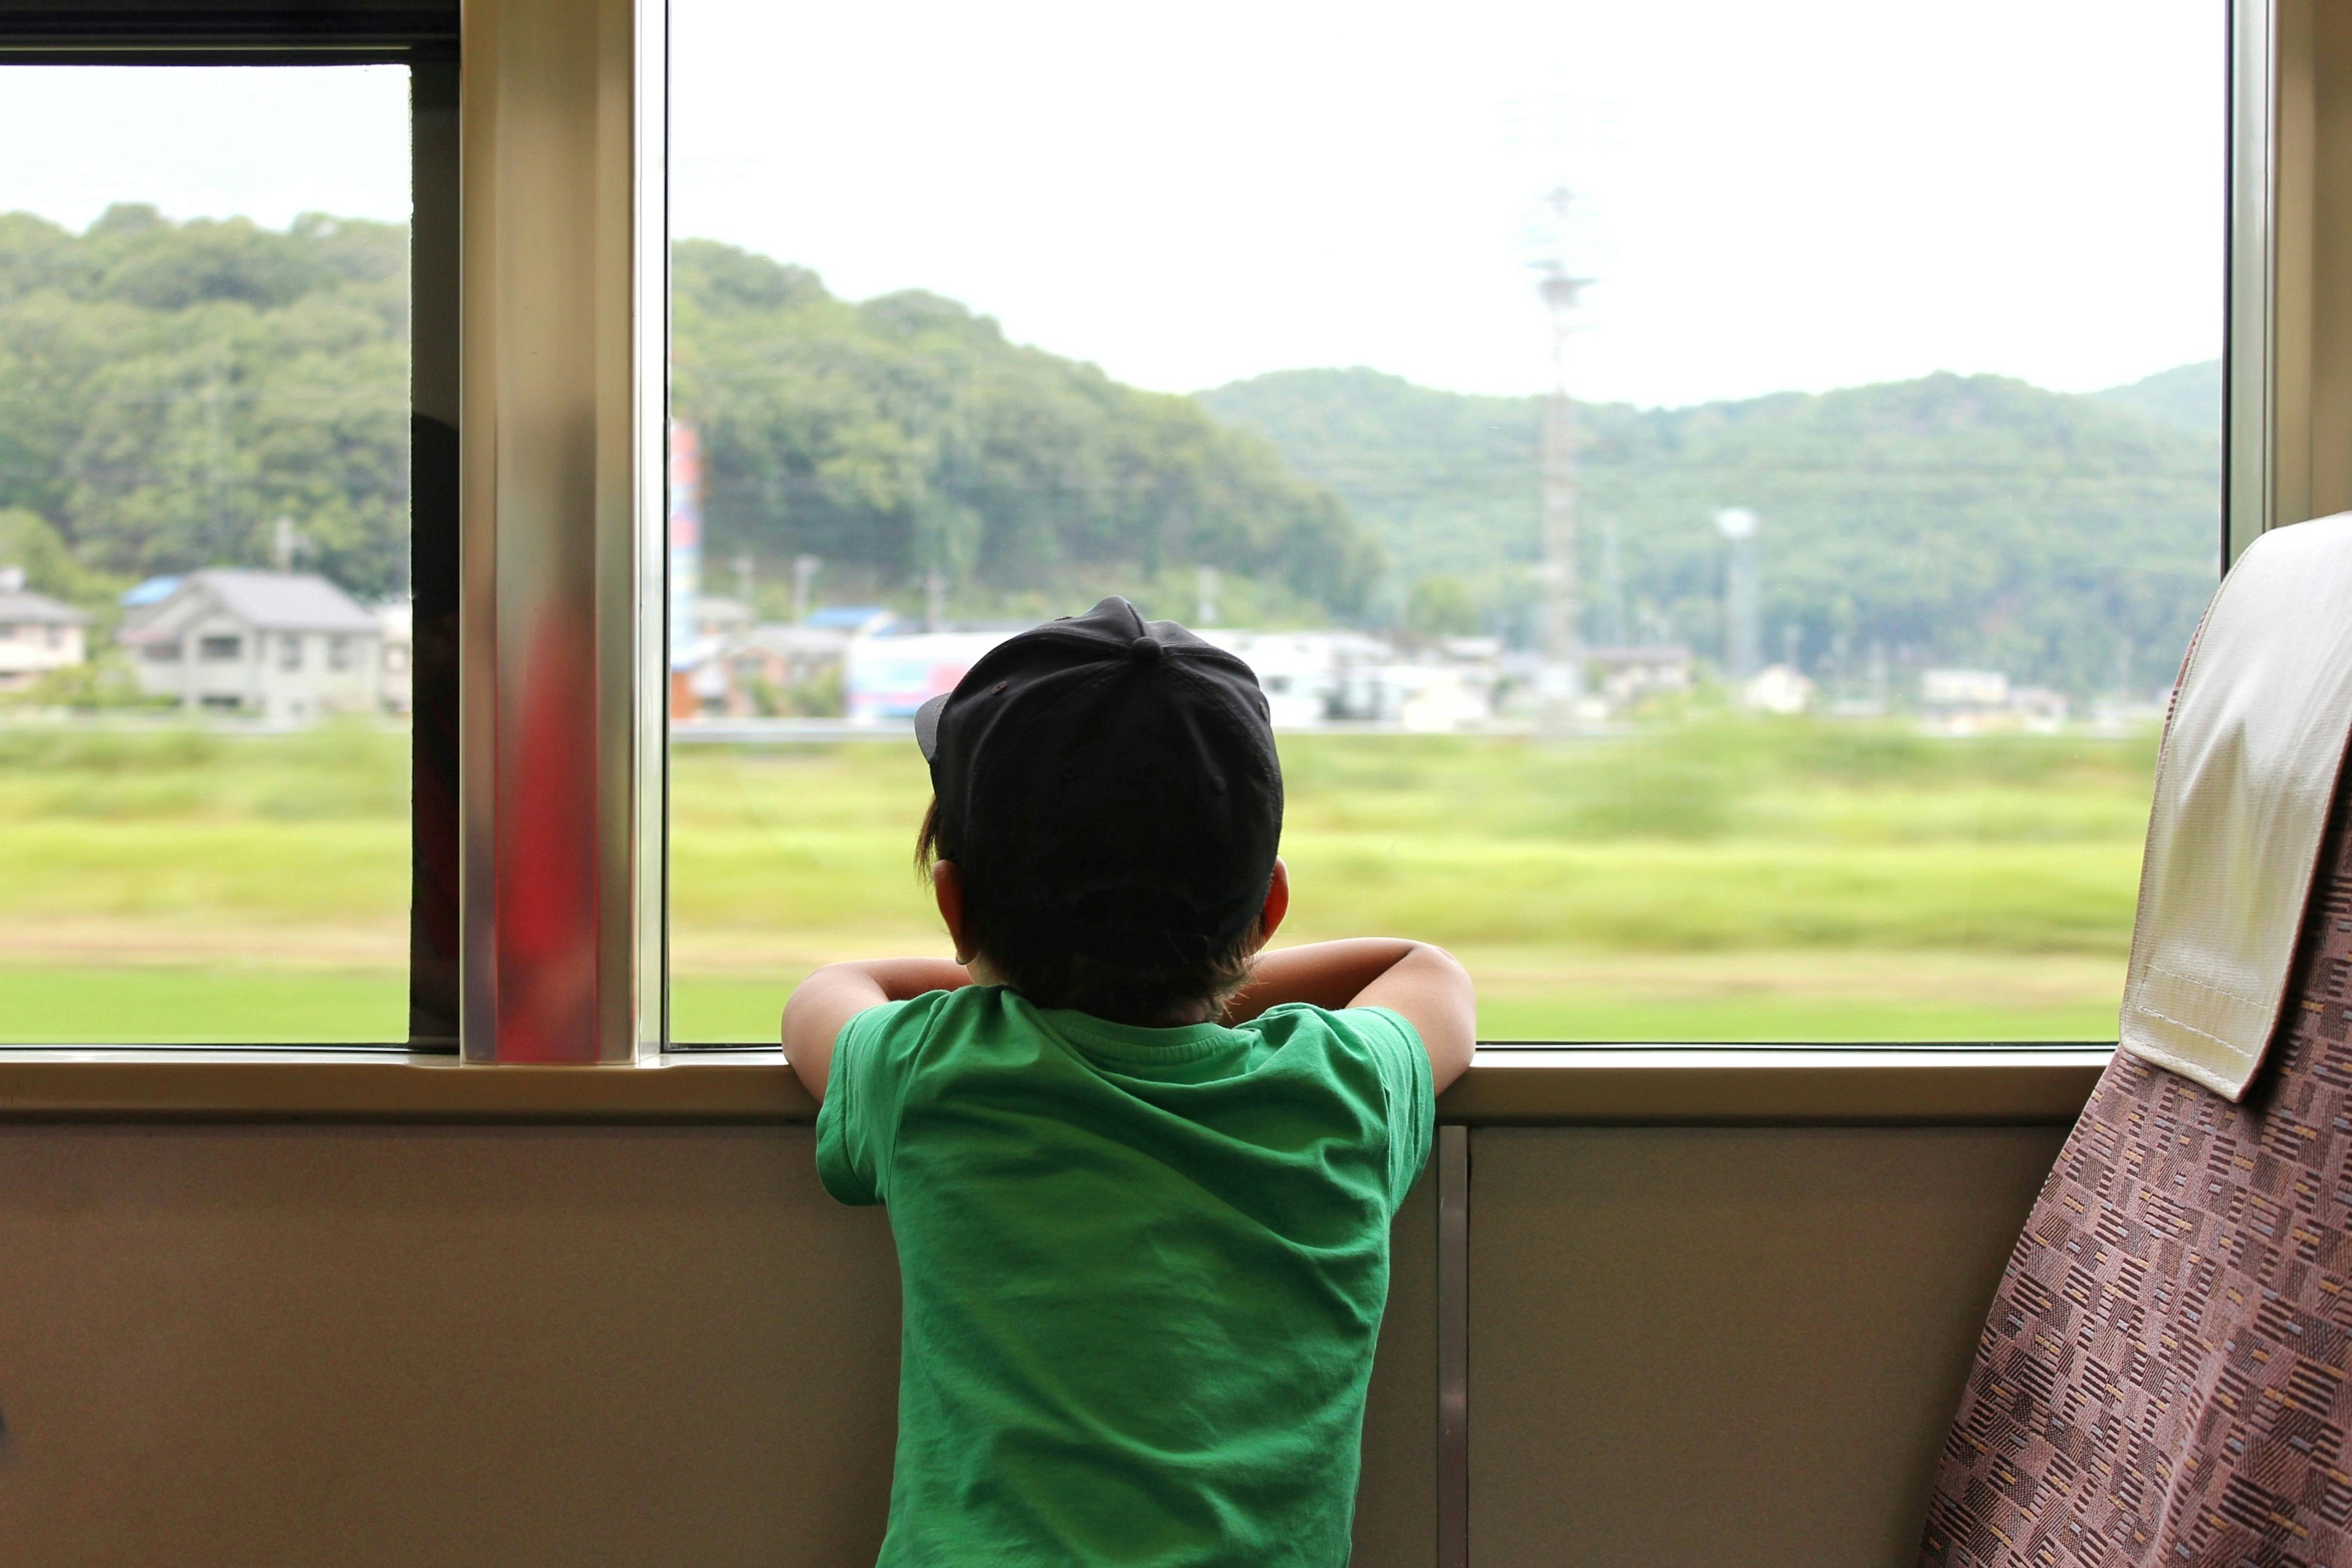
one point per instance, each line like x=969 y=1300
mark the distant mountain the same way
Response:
x=2188 y=395
x=2068 y=540
x=1444 y=479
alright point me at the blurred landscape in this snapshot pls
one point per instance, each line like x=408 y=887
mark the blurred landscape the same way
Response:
x=1743 y=879
x=1848 y=855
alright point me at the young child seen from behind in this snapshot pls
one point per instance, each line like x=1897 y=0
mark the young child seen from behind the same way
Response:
x=1140 y=1174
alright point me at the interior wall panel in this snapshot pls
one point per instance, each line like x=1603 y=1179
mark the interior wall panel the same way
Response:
x=1727 y=1345
x=246 y=1346
x=240 y=1347
x=1396 y=1502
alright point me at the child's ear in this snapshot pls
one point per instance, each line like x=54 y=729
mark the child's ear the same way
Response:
x=1278 y=902
x=947 y=886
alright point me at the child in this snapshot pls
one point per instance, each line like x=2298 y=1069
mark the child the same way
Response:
x=1140 y=1176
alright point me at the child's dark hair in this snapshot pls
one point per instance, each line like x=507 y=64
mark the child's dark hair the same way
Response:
x=1046 y=967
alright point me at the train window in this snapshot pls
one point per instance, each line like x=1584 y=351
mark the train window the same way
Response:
x=1716 y=498
x=204 y=463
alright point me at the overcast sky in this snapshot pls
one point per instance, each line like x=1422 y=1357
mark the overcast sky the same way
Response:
x=1791 y=196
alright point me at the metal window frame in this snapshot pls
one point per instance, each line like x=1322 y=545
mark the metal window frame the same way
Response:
x=564 y=396
x=422 y=36
x=2249 y=337
x=539 y=399
x=2287 y=395
x=203 y=32
x=541 y=206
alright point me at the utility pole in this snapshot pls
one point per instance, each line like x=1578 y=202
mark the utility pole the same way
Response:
x=1561 y=685
x=1612 y=583
x=804 y=576
x=214 y=444
x=1204 y=596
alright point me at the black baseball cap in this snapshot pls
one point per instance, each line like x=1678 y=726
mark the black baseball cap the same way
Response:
x=1114 y=779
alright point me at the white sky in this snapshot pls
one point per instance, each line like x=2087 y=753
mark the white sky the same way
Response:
x=218 y=141
x=1787 y=196
x=1803 y=195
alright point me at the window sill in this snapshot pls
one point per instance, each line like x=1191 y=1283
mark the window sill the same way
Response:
x=1595 y=1085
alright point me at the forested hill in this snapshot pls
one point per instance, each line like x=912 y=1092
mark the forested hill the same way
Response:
x=2188 y=395
x=903 y=435
x=2066 y=539
x=168 y=391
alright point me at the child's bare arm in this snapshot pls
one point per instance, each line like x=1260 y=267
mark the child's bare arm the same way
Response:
x=826 y=1000
x=1420 y=983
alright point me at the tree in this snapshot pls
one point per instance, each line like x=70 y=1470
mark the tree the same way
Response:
x=172 y=389
x=1967 y=520
x=1441 y=606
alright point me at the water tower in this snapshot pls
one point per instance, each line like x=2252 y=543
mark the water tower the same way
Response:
x=1740 y=609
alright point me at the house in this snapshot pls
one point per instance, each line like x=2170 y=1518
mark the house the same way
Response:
x=773 y=669
x=1624 y=677
x=38 y=634
x=285 y=647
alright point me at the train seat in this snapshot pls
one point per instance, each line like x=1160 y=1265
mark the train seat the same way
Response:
x=2162 y=1379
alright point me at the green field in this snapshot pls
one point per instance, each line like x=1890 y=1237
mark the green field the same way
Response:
x=1730 y=881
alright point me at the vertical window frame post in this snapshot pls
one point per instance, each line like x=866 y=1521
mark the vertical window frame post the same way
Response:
x=2247 y=353
x=2288 y=381
x=563 y=374
x=425 y=39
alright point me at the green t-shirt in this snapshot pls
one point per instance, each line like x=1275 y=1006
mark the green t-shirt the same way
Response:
x=1143 y=1270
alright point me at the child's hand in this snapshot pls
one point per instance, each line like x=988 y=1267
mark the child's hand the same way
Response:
x=1423 y=984
x=828 y=999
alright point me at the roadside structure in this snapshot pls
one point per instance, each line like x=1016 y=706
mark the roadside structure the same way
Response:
x=397 y=623
x=775 y=668
x=1628 y=675
x=38 y=634
x=287 y=647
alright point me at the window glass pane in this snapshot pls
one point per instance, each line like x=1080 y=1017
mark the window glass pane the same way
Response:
x=204 y=554
x=1716 y=495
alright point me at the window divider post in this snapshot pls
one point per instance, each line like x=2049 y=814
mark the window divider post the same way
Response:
x=561 y=370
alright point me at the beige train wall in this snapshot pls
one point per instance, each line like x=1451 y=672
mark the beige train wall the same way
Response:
x=512 y=1346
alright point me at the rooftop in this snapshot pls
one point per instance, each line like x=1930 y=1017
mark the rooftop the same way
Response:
x=19 y=606
x=278 y=601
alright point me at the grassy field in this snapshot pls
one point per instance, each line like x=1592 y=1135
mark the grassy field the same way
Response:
x=1733 y=881
x=1725 y=880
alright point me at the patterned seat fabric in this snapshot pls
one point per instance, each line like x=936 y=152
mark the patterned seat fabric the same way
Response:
x=2162 y=1380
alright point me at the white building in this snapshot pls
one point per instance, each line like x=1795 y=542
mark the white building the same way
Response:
x=38 y=634
x=1966 y=689
x=1777 y=688
x=1430 y=698
x=1310 y=678
x=1624 y=677
x=288 y=648
x=397 y=657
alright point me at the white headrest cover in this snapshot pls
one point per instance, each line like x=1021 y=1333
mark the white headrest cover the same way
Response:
x=2244 y=785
